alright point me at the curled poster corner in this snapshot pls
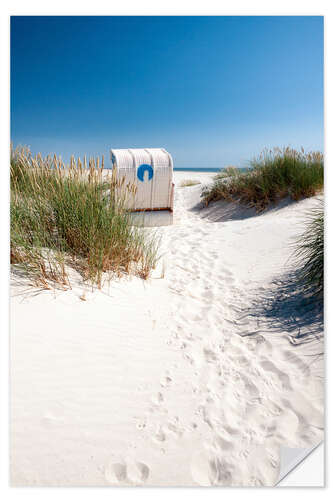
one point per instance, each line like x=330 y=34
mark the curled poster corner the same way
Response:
x=291 y=457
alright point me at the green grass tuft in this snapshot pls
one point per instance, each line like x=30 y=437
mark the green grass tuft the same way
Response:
x=276 y=174
x=309 y=252
x=73 y=216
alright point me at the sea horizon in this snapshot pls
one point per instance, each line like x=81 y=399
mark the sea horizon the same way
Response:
x=191 y=169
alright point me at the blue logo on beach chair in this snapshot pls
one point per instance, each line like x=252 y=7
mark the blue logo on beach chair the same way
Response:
x=141 y=172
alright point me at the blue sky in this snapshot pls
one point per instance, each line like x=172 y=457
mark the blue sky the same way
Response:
x=213 y=91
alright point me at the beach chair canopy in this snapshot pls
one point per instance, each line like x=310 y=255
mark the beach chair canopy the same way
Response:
x=151 y=171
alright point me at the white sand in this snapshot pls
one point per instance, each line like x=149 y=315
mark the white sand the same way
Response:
x=161 y=382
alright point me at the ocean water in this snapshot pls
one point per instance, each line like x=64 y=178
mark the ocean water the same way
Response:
x=208 y=169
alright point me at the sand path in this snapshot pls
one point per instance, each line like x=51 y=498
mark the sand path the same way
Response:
x=184 y=380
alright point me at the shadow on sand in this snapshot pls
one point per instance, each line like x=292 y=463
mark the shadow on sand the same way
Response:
x=223 y=211
x=290 y=309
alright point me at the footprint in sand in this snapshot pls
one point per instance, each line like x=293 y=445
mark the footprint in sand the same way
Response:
x=170 y=429
x=188 y=358
x=165 y=381
x=297 y=363
x=269 y=366
x=203 y=469
x=174 y=429
x=158 y=398
x=288 y=424
x=115 y=473
x=160 y=435
x=222 y=444
x=130 y=473
x=209 y=355
x=249 y=386
x=259 y=344
x=231 y=430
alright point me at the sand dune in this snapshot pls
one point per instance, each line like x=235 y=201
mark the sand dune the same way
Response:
x=197 y=377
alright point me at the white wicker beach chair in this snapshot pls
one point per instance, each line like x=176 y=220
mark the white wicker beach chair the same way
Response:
x=151 y=171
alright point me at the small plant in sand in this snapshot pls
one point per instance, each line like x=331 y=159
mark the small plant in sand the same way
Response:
x=189 y=182
x=73 y=215
x=222 y=173
x=276 y=174
x=309 y=252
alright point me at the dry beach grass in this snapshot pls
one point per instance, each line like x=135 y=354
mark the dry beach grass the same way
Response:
x=276 y=174
x=189 y=182
x=72 y=215
x=309 y=252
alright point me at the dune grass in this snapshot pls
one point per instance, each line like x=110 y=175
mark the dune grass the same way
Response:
x=189 y=182
x=276 y=174
x=73 y=216
x=309 y=252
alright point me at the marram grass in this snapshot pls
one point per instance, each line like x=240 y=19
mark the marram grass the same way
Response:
x=309 y=252
x=276 y=174
x=73 y=216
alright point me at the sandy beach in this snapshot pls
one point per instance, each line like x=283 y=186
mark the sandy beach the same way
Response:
x=195 y=377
